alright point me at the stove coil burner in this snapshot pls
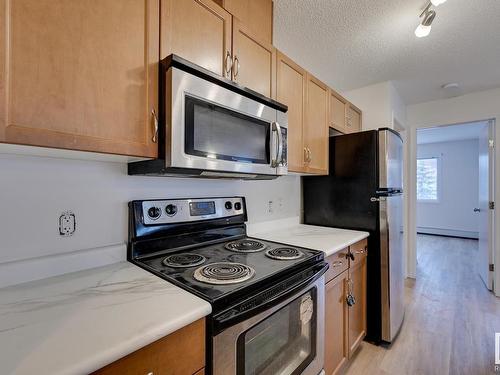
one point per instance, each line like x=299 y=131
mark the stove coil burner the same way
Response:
x=245 y=246
x=224 y=273
x=284 y=253
x=184 y=260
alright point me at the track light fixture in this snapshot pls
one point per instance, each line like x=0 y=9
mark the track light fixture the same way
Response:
x=426 y=18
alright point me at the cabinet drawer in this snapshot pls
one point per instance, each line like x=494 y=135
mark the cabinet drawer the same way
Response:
x=182 y=352
x=359 y=250
x=338 y=263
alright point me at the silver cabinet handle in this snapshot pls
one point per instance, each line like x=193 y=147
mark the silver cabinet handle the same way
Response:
x=236 y=66
x=477 y=210
x=229 y=64
x=305 y=155
x=155 y=126
x=362 y=251
x=307 y=152
x=337 y=263
x=310 y=154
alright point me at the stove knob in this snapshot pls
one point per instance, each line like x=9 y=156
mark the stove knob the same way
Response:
x=228 y=205
x=154 y=213
x=171 y=209
x=237 y=206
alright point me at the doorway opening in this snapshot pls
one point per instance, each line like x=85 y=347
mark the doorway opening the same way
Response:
x=454 y=209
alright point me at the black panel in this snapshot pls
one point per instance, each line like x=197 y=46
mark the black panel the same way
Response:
x=342 y=199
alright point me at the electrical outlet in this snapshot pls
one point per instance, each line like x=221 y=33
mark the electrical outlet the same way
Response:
x=270 y=207
x=67 y=224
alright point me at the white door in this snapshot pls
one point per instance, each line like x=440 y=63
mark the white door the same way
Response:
x=486 y=166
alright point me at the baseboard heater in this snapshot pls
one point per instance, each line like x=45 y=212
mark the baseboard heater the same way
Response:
x=448 y=232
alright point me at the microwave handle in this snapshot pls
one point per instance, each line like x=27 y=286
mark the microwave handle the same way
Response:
x=275 y=127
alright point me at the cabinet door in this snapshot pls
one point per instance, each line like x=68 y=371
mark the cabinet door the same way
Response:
x=180 y=353
x=199 y=31
x=337 y=112
x=336 y=324
x=256 y=14
x=316 y=126
x=254 y=60
x=291 y=91
x=83 y=75
x=353 y=120
x=357 y=312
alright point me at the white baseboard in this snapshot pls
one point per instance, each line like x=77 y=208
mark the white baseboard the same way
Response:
x=448 y=232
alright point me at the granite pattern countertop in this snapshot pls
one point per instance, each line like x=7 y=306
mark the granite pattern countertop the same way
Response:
x=79 y=322
x=291 y=232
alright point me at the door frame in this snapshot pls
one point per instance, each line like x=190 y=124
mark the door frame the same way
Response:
x=411 y=191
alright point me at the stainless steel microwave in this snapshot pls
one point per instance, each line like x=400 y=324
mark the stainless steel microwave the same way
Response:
x=212 y=127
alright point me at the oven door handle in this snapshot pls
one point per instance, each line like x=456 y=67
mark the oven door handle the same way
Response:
x=268 y=298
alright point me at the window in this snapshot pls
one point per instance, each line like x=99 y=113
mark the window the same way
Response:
x=427 y=179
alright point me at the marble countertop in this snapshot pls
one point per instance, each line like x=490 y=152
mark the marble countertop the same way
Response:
x=291 y=232
x=79 y=322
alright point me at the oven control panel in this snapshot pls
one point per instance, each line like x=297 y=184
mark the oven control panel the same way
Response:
x=170 y=211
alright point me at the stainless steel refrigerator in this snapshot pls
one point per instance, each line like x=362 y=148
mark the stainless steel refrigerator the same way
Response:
x=363 y=191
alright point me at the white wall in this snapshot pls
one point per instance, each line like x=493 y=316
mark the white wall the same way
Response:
x=381 y=104
x=458 y=187
x=467 y=108
x=375 y=102
x=35 y=190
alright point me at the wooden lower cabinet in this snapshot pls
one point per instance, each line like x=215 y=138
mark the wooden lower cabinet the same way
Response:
x=336 y=324
x=345 y=326
x=357 y=312
x=180 y=353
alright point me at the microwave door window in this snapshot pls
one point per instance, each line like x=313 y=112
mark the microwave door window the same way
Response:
x=284 y=343
x=219 y=133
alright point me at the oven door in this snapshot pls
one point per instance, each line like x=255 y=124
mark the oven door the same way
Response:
x=286 y=338
x=215 y=129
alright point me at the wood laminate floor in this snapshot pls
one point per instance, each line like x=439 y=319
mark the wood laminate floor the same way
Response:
x=450 y=317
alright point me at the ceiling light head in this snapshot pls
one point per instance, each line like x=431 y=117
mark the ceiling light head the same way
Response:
x=424 y=28
x=437 y=3
x=422 y=31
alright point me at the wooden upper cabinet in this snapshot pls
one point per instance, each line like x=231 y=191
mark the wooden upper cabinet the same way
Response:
x=256 y=14
x=316 y=126
x=291 y=91
x=337 y=112
x=82 y=75
x=357 y=312
x=336 y=325
x=180 y=353
x=254 y=60
x=199 y=31
x=353 y=119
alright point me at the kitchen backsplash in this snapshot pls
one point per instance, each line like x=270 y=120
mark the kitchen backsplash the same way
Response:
x=36 y=190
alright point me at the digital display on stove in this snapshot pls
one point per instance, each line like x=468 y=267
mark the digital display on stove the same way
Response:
x=202 y=208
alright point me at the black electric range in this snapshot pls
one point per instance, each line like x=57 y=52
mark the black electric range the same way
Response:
x=201 y=245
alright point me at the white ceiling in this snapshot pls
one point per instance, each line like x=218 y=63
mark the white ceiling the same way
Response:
x=450 y=133
x=354 y=43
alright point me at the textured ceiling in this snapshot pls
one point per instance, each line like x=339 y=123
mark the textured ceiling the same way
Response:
x=354 y=43
x=450 y=133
